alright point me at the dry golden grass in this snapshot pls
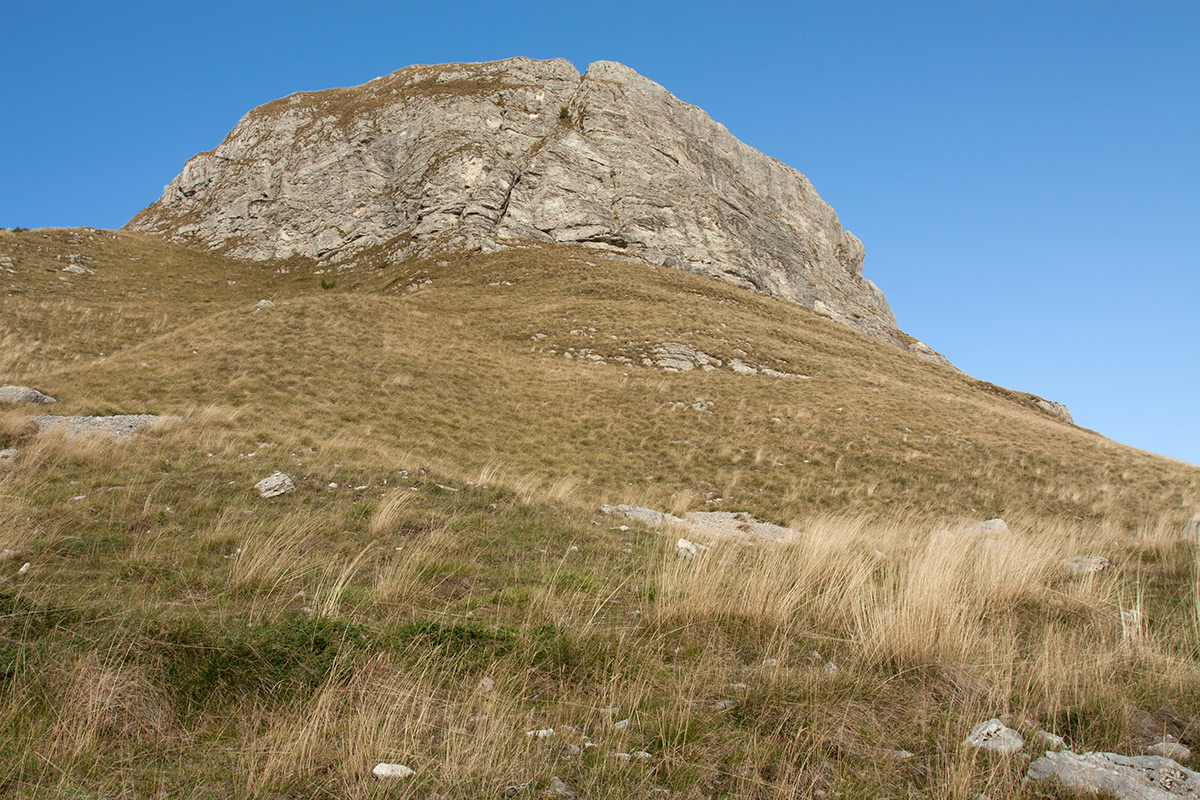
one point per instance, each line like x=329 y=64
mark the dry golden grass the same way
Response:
x=177 y=634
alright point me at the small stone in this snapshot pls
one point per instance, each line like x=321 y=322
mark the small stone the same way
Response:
x=23 y=394
x=7 y=555
x=991 y=527
x=1085 y=565
x=994 y=736
x=830 y=669
x=8 y=453
x=487 y=684
x=770 y=662
x=641 y=755
x=896 y=755
x=1168 y=749
x=24 y=568
x=685 y=548
x=1191 y=531
x=560 y=788
x=721 y=705
x=264 y=303
x=544 y=733
x=621 y=724
x=274 y=485
x=621 y=756
x=1051 y=741
x=384 y=770
x=610 y=711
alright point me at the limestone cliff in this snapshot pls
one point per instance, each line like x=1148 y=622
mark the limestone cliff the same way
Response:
x=477 y=154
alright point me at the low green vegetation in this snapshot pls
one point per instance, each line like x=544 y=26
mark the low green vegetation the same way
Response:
x=441 y=581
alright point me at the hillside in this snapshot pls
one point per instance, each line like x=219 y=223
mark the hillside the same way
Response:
x=441 y=581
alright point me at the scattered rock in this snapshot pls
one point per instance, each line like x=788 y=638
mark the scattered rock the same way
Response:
x=685 y=548
x=559 y=788
x=24 y=568
x=487 y=684
x=741 y=368
x=1170 y=749
x=621 y=725
x=1124 y=777
x=1086 y=565
x=544 y=733
x=264 y=303
x=830 y=669
x=641 y=755
x=384 y=770
x=275 y=484
x=993 y=736
x=682 y=358
x=23 y=394
x=991 y=527
x=1191 y=531
x=1049 y=740
x=119 y=426
x=8 y=453
x=1057 y=409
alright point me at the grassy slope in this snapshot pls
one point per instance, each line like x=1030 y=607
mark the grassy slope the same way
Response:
x=159 y=640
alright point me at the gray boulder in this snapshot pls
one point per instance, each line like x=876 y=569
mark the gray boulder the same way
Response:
x=23 y=394
x=1057 y=409
x=468 y=155
x=275 y=484
x=1123 y=777
x=990 y=527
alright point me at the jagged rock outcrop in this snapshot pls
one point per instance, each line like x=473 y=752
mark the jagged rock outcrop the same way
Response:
x=473 y=154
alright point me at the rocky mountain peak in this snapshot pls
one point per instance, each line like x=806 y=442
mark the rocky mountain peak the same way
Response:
x=484 y=155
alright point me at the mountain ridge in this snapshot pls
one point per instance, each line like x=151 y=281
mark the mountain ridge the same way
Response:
x=480 y=156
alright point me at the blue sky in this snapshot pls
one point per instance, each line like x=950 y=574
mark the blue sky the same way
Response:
x=1025 y=176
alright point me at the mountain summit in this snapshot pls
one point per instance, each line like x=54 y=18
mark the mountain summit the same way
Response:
x=477 y=155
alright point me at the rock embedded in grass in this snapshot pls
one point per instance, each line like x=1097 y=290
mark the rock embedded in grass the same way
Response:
x=1191 y=531
x=1123 y=777
x=685 y=548
x=23 y=394
x=119 y=426
x=1168 y=748
x=990 y=527
x=1085 y=565
x=994 y=736
x=275 y=484
x=385 y=770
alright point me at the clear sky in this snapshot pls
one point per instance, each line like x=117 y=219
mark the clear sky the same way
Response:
x=1025 y=176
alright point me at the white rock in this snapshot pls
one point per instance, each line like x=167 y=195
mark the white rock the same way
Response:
x=621 y=724
x=641 y=755
x=830 y=669
x=1168 y=749
x=1086 y=565
x=741 y=368
x=994 y=736
x=8 y=453
x=23 y=394
x=991 y=527
x=1191 y=531
x=544 y=733
x=487 y=684
x=275 y=484
x=384 y=770
x=685 y=548
x=264 y=303
x=24 y=568
x=1123 y=777
x=1049 y=740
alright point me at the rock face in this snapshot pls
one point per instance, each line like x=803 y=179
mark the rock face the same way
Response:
x=471 y=155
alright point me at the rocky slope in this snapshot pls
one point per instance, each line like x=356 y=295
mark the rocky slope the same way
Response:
x=474 y=155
